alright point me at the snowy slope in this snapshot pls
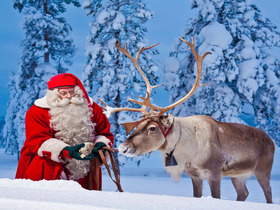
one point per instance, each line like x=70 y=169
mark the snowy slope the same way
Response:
x=145 y=188
x=25 y=194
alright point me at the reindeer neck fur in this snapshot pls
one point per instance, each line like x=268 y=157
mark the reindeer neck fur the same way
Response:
x=185 y=140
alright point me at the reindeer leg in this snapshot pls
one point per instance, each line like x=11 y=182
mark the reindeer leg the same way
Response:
x=240 y=187
x=264 y=180
x=215 y=187
x=266 y=189
x=197 y=187
x=262 y=173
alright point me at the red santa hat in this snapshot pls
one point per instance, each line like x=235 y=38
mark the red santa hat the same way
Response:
x=66 y=80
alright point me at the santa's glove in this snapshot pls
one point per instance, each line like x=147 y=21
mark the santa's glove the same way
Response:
x=73 y=152
x=98 y=146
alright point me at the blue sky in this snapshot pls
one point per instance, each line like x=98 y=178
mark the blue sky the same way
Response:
x=168 y=22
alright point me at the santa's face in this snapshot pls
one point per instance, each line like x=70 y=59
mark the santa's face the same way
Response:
x=70 y=115
x=66 y=93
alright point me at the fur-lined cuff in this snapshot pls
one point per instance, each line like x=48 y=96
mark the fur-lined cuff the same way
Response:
x=104 y=140
x=51 y=149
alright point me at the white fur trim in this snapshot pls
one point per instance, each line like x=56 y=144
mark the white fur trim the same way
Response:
x=53 y=147
x=42 y=102
x=103 y=139
x=91 y=100
x=106 y=141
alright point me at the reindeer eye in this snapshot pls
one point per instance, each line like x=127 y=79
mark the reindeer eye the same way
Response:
x=153 y=129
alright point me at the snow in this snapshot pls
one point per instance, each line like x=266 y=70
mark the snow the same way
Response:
x=146 y=187
x=101 y=18
x=272 y=79
x=248 y=53
x=248 y=70
x=211 y=37
x=119 y=21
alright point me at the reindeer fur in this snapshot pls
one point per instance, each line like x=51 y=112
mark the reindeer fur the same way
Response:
x=207 y=149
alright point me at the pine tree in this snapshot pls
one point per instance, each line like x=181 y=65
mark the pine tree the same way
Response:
x=11 y=114
x=46 y=51
x=109 y=75
x=243 y=77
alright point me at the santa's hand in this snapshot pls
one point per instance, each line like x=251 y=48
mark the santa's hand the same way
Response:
x=98 y=146
x=73 y=152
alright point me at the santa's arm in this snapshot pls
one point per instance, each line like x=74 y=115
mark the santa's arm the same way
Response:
x=39 y=135
x=102 y=127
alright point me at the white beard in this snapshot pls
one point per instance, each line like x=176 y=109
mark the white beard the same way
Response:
x=71 y=119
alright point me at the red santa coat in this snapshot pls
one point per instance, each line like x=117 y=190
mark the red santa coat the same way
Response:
x=40 y=156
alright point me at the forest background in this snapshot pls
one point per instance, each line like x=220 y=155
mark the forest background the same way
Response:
x=168 y=23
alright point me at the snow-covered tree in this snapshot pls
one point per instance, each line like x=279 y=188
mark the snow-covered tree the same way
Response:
x=109 y=75
x=242 y=75
x=46 y=50
x=11 y=114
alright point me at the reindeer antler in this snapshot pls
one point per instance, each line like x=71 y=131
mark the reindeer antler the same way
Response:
x=199 y=60
x=135 y=62
x=110 y=110
x=146 y=101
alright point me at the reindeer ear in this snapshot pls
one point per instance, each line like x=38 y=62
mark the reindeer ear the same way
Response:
x=171 y=118
x=128 y=126
x=166 y=120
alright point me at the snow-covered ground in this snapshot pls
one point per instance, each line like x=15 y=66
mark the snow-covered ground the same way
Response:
x=147 y=187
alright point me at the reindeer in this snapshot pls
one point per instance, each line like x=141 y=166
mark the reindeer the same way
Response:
x=198 y=145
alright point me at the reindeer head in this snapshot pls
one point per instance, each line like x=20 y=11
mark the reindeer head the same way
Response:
x=149 y=135
x=151 y=131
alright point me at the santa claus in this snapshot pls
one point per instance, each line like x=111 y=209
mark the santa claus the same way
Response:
x=57 y=126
